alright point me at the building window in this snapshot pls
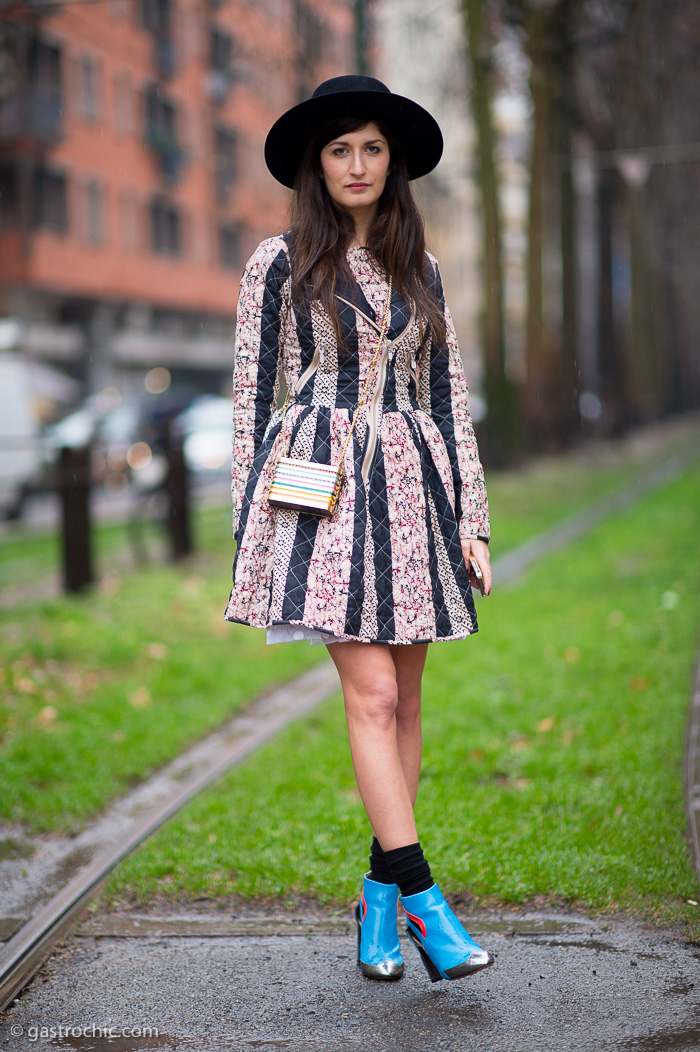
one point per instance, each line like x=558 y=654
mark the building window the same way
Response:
x=161 y=133
x=123 y=104
x=166 y=228
x=226 y=161
x=230 y=246
x=217 y=81
x=157 y=15
x=50 y=200
x=43 y=107
x=220 y=51
x=130 y=219
x=9 y=195
x=89 y=72
x=94 y=212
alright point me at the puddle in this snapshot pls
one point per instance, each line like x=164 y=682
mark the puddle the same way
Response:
x=66 y=869
x=594 y=944
x=115 y=925
x=9 y=925
x=274 y=1042
x=12 y=848
x=663 y=1041
x=679 y=989
x=118 y=1044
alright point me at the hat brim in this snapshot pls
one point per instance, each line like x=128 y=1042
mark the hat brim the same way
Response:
x=417 y=129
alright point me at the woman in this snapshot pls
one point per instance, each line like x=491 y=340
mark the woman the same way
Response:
x=391 y=566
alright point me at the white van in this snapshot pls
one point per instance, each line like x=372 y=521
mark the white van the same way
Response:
x=20 y=446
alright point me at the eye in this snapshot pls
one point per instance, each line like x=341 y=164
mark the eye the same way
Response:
x=338 y=150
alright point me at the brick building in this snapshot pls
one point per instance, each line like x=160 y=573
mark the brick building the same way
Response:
x=132 y=180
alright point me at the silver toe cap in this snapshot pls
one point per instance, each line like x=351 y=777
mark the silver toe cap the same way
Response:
x=384 y=970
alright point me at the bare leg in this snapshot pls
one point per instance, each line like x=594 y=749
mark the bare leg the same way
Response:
x=381 y=688
x=409 y=662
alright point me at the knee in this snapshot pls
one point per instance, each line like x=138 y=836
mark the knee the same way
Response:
x=408 y=710
x=376 y=705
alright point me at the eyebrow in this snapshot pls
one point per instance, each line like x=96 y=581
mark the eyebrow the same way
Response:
x=343 y=142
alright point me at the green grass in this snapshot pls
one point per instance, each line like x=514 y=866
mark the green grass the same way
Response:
x=100 y=691
x=553 y=750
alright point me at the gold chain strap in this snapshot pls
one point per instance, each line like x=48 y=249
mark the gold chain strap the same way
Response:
x=363 y=396
x=375 y=359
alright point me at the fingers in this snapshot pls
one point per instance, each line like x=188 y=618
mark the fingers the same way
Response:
x=480 y=552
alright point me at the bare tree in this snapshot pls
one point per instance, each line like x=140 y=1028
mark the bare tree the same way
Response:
x=501 y=434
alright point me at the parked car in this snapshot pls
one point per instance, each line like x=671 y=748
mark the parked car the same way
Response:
x=30 y=393
x=206 y=427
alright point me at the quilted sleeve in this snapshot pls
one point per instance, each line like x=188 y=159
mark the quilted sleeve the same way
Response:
x=442 y=392
x=260 y=323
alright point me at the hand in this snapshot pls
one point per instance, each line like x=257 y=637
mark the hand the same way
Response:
x=480 y=551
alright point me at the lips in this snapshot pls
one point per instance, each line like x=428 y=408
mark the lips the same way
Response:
x=357 y=186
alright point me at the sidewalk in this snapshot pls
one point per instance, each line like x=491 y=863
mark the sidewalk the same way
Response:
x=560 y=982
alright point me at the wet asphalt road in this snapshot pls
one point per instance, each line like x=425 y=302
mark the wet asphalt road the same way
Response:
x=570 y=983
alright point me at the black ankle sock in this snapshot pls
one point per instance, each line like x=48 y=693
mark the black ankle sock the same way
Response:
x=409 y=869
x=379 y=870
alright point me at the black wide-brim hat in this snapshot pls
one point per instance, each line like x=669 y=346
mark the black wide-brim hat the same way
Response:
x=353 y=96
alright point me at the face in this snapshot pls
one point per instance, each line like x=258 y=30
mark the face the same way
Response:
x=354 y=167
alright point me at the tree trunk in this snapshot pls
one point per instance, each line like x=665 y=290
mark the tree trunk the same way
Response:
x=501 y=438
x=540 y=394
x=563 y=148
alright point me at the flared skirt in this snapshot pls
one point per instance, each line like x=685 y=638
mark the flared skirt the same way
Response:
x=388 y=566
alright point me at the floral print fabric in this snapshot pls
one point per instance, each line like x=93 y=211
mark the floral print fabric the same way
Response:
x=388 y=567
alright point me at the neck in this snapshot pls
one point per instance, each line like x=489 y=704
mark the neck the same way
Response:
x=364 y=220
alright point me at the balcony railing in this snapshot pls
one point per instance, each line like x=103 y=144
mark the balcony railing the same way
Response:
x=35 y=113
x=172 y=157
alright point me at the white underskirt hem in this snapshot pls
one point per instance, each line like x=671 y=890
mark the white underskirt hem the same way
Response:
x=299 y=633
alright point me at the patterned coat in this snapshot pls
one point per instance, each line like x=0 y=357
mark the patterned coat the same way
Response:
x=388 y=567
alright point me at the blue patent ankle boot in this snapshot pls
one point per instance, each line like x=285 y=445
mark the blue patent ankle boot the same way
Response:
x=378 y=951
x=447 y=951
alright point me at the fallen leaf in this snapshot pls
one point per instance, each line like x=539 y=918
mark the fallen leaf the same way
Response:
x=157 y=651
x=26 y=685
x=140 y=698
x=572 y=654
x=545 y=725
x=46 y=715
x=639 y=683
x=519 y=745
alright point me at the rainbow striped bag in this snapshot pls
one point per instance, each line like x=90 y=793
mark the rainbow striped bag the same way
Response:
x=303 y=486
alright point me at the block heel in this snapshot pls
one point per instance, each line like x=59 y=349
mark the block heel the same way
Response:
x=446 y=949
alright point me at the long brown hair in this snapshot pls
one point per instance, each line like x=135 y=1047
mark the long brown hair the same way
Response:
x=321 y=232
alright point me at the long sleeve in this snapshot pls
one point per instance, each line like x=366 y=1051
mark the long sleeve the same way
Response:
x=260 y=323
x=443 y=392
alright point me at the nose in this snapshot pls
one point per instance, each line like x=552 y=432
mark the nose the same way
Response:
x=358 y=164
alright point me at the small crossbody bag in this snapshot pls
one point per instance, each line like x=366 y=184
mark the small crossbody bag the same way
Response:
x=301 y=485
